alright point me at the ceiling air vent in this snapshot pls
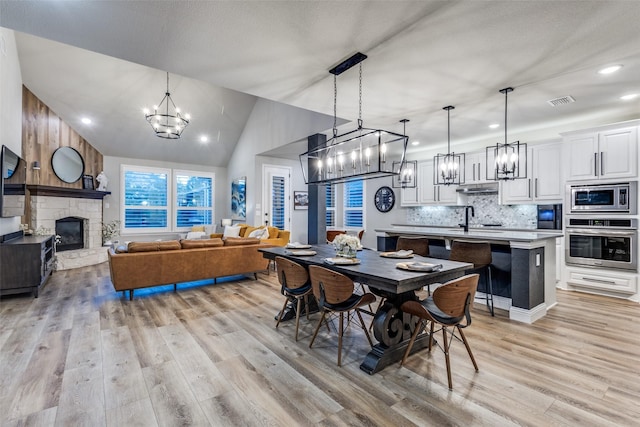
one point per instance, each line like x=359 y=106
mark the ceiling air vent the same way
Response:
x=561 y=101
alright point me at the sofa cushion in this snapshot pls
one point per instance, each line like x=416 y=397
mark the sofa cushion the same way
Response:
x=121 y=249
x=273 y=232
x=243 y=229
x=239 y=241
x=259 y=233
x=231 y=231
x=202 y=243
x=195 y=235
x=167 y=245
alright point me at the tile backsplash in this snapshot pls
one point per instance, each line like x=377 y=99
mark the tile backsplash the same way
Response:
x=487 y=211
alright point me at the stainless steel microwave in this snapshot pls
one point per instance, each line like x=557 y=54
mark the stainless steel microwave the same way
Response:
x=615 y=198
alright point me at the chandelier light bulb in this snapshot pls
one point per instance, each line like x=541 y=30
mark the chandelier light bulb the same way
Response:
x=187 y=116
x=145 y=111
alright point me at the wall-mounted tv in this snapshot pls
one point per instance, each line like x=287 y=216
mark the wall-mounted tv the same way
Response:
x=12 y=183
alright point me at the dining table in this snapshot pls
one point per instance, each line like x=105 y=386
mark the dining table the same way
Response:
x=386 y=276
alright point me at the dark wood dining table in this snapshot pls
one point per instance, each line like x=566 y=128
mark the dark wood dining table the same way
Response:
x=392 y=327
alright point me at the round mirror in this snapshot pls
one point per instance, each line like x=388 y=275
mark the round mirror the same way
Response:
x=67 y=164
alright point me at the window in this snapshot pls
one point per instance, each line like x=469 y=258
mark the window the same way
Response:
x=354 y=204
x=146 y=199
x=150 y=204
x=278 y=201
x=330 y=218
x=194 y=199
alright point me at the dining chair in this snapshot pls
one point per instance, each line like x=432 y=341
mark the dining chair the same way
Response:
x=448 y=307
x=331 y=234
x=479 y=254
x=294 y=281
x=334 y=292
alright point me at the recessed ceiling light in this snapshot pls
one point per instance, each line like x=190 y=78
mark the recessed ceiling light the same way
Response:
x=203 y=138
x=629 y=97
x=609 y=70
x=86 y=120
x=494 y=126
x=415 y=143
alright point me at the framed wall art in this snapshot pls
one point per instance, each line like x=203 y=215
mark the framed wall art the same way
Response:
x=300 y=200
x=239 y=198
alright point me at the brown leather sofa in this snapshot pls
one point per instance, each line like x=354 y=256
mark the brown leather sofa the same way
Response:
x=148 y=264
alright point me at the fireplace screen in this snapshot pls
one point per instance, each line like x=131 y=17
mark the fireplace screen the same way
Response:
x=71 y=232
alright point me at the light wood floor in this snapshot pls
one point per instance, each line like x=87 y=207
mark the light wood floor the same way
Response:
x=210 y=355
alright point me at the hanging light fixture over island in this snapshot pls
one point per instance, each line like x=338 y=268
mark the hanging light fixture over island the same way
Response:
x=449 y=168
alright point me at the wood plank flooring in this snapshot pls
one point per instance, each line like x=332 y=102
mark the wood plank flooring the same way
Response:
x=209 y=355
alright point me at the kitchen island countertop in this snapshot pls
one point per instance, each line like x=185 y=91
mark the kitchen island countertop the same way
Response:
x=493 y=234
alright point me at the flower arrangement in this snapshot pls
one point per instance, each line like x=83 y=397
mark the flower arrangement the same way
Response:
x=346 y=245
x=110 y=230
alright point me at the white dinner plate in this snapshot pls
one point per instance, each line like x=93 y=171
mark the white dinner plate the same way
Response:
x=419 y=266
x=302 y=253
x=399 y=255
x=297 y=246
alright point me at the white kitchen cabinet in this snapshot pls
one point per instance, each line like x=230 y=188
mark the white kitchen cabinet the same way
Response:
x=602 y=154
x=475 y=167
x=606 y=282
x=409 y=196
x=431 y=194
x=543 y=182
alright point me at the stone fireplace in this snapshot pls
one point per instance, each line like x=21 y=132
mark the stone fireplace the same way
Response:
x=50 y=208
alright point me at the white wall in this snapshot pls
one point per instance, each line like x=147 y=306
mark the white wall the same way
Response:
x=272 y=125
x=10 y=107
x=111 y=205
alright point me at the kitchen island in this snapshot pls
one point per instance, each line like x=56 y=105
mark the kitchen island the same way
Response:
x=532 y=261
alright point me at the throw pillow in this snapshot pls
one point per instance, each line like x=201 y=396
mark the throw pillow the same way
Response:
x=273 y=232
x=258 y=233
x=197 y=228
x=192 y=235
x=231 y=231
x=239 y=241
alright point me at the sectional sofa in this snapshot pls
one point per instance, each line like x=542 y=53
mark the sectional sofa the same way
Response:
x=147 y=264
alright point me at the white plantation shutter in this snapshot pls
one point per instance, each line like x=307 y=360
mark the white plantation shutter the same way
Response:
x=193 y=199
x=330 y=218
x=278 y=202
x=354 y=204
x=146 y=199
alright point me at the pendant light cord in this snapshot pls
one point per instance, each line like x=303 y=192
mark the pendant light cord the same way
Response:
x=360 y=98
x=335 y=108
x=506 y=94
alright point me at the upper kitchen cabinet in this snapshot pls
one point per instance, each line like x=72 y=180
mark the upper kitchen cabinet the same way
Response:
x=426 y=192
x=609 y=152
x=475 y=167
x=543 y=183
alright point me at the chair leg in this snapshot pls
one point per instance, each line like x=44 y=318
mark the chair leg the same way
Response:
x=286 y=300
x=298 y=315
x=324 y=313
x=466 y=344
x=490 y=290
x=445 y=347
x=419 y=327
x=431 y=336
x=340 y=332
x=364 y=328
x=306 y=306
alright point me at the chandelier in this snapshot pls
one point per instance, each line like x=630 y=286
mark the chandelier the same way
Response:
x=508 y=157
x=166 y=119
x=362 y=153
x=406 y=171
x=449 y=167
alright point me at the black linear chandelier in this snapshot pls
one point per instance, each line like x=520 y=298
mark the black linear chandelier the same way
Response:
x=449 y=168
x=510 y=159
x=362 y=153
x=166 y=119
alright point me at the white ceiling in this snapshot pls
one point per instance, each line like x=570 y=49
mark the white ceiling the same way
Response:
x=423 y=55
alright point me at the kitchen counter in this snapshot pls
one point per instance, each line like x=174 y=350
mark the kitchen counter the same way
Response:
x=531 y=274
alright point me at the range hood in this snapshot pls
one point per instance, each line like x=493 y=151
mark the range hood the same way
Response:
x=488 y=188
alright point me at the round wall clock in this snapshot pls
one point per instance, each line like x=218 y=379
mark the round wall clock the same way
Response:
x=384 y=199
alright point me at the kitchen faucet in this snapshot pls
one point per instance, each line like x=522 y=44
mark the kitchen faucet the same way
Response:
x=465 y=226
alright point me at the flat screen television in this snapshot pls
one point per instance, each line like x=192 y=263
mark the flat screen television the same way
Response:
x=13 y=184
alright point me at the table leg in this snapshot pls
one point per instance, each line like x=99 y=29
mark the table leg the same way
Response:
x=392 y=328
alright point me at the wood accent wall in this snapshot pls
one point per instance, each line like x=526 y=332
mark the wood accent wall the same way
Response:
x=42 y=133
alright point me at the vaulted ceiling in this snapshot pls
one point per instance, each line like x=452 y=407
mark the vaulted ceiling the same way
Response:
x=107 y=60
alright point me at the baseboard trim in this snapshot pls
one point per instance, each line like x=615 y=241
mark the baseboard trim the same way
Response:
x=527 y=316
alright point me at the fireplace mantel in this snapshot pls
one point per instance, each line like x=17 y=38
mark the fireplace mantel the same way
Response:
x=78 y=193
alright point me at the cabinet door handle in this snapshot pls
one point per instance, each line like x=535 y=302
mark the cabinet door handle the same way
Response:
x=474 y=171
x=595 y=163
x=601 y=163
x=608 y=282
x=529 y=188
x=536 y=188
x=479 y=176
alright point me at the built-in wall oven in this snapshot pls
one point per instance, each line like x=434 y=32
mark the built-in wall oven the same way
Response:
x=602 y=242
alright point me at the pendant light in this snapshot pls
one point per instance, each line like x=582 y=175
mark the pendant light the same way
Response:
x=406 y=171
x=509 y=159
x=449 y=168
x=362 y=153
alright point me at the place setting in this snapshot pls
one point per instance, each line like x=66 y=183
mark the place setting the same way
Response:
x=401 y=254
x=419 y=266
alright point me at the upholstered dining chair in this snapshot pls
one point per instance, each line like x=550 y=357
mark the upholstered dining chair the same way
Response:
x=479 y=254
x=448 y=307
x=331 y=234
x=294 y=281
x=334 y=292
